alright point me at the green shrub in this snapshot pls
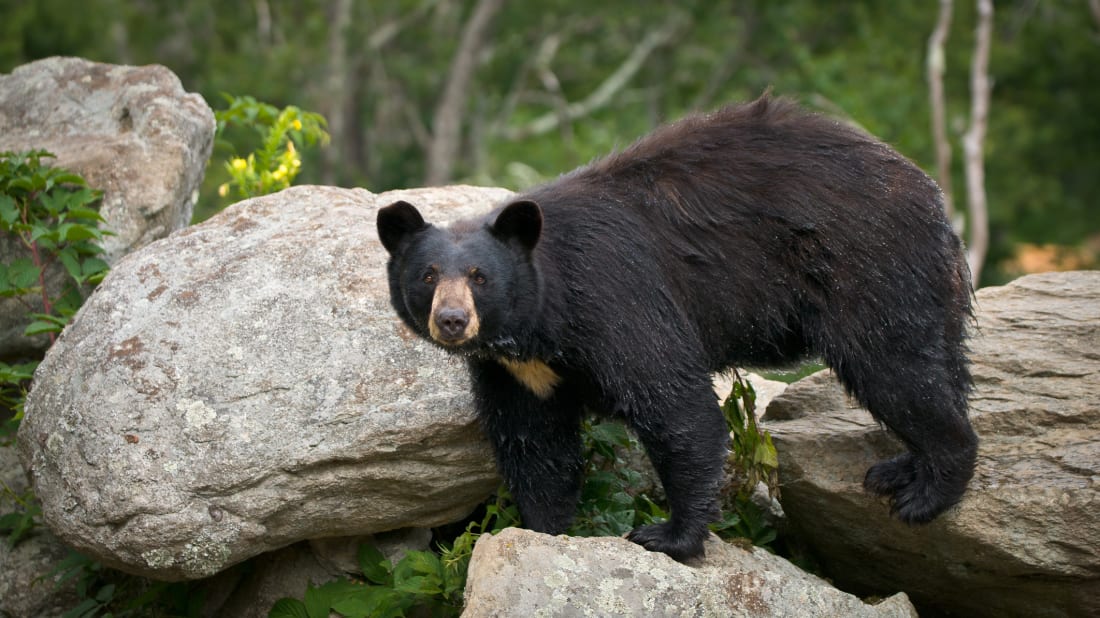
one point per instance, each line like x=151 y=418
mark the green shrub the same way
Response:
x=274 y=164
x=421 y=581
x=48 y=211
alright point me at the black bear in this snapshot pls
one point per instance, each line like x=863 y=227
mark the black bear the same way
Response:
x=754 y=235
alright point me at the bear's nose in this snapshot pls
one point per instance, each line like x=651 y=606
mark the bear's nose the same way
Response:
x=452 y=322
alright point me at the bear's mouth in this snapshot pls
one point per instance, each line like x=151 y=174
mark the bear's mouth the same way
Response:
x=451 y=342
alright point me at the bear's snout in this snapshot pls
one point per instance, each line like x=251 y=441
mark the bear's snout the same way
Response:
x=452 y=322
x=454 y=318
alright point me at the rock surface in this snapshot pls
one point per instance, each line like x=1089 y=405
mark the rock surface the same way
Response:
x=26 y=585
x=245 y=384
x=1025 y=541
x=132 y=132
x=523 y=573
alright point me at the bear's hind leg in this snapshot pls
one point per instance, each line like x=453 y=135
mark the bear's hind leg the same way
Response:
x=923 y=401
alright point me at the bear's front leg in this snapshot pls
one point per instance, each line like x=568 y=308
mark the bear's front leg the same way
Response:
x=687 y=440
x=536 y=443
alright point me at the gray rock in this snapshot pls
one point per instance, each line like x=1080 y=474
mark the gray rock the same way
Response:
x=28 y=584
x=1025 y=541
x=245 y=384
x=766 y=390
x=132 y=132
x=523 y=573
x=26 y=588
x=251 y=592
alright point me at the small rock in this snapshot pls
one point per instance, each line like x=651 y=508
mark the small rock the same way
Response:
x=523 y=573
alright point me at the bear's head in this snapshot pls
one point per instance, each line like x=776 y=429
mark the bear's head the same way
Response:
x=472 y=285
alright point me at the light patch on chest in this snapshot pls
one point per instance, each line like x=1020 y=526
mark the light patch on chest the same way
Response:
x=534 y=374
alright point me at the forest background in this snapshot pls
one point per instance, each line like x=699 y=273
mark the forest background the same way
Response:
x=490 y=92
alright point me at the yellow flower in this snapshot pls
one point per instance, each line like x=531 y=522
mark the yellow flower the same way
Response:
x=297 y=124
x=290 y=146
x=223 y=190
x=239 y=164
x=280 y=173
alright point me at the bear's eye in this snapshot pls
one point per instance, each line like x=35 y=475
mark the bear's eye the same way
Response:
x=429 y=277
x=478 y=277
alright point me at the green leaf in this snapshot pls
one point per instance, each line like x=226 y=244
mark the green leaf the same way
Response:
x=95 y=266
x=19 y=525
x=75 y=232
x=58 y=320
x=373 y=602
x=83 y=212
x=317 y=602
x=9 y=211
x=23 y=274
x=376 y=568
x=288 y=608
x=39 y=231
x=41 y=327
x=765 y=455
x=69 y=178
x=419 y=572
x=105 y=593
x=22 y=183
x=82 y=609
x=610 y=433
x=71 y=262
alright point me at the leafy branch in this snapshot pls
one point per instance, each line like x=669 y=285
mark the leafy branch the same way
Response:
x=49 y=210
x=274 y=165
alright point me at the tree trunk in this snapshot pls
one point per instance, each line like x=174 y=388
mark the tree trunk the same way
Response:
x=604 y=93
x=935 y=69
x=263 y=23
x=975 y=136
x=447 y=125
x=337 y=89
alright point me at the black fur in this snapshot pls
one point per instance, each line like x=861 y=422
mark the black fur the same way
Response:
x=755 y=235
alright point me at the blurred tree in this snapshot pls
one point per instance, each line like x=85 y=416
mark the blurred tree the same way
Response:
x=555 y=83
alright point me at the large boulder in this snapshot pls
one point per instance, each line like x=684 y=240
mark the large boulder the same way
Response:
x=523 y=573
x=245 y=384
x=1025 y=541
x=132 y=132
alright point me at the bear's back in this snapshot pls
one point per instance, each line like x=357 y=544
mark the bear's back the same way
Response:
x=777 y=211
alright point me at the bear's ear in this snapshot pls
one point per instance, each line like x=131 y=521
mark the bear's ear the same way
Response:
x=396 y=222
x=520 y=221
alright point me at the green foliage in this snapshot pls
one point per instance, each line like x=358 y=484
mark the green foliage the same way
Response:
x=275 y=162
x=49 y=210
x=500 y=514
x=753 y=458
x=611 y=502
x=420 y=582
x=746 y=521
x=20 y=522
x=14 y=382
x=110 y=594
